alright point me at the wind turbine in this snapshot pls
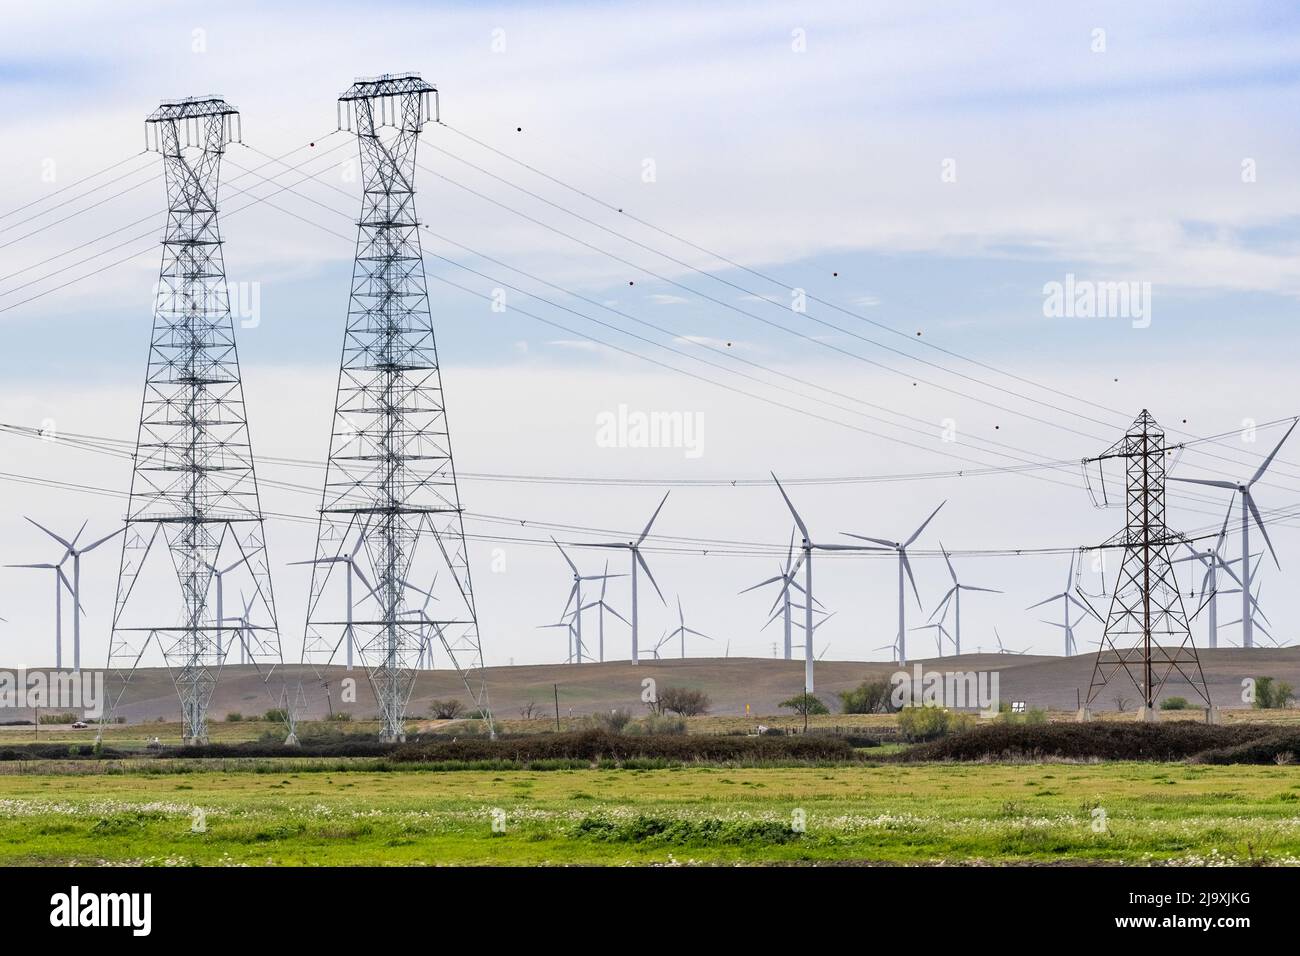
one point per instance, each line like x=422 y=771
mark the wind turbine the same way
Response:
x=635 y=548
x=72 y=551
x=1002 y=648
x=1248 y=511
x=954 y=595
x=568 y=625
x=246 y=631
x=1212 y=561
x=654 y=651
x=1255 y=610
x=60 y=582
x=219 y=574
x=786 y=576
x=603 y=606
x=941 y=632
x=682 y=630
x=1067 y=599
x=904 y=566
x=575 y=597
x=350 y=559
x=426 y=640
x=807 y=547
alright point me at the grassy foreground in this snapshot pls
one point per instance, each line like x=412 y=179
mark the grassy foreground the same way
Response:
x=910 y=814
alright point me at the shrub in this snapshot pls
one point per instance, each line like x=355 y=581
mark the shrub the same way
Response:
x=805 y=705
x=929 y=723
x=1034 y=715
x=1270 y=746
x=57 y=718
x=1272 y=694
x=657 y=725
x=869 y=697
x=234 y=717
x=338 y=717
x=445 y=709
x=276 y=715
x=1174 y=703
x=684 y=702
x=614 y=721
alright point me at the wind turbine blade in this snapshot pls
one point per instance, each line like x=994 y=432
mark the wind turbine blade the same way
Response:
x=646 y=568
x=1205 y=481
x=566 y=557
x=943 y=601
x=971 y=587
x=948 y=561
x=1259 y=522
x=63 y=541
x=1223 y=532
x=41 y=566
x=764 y=583
x=652 y=518
x=889 y=545
x=615 y=613
x=1273 y=454
x=803 y=528
x=108 y=537
x=917 y=533
x=907 y=566
x=1054 y=597
x=690 y=630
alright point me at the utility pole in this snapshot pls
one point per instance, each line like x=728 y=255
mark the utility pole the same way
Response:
x=390 y=477
x=1147 y=636
x=193 y=483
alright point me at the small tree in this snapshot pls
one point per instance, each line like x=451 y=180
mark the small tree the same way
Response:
x=869 y=697
x=683 y=701
x=1174 y=703
x=1272 y=694
x=805 y=705
x=446 y=709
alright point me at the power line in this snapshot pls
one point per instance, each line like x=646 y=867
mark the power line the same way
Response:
x=784 y=286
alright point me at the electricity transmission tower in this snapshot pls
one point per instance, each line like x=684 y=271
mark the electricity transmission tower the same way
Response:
x=193 y=483
x=390 y=498
x=1146 y=636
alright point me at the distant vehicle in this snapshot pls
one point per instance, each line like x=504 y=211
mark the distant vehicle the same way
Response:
x=79 y=725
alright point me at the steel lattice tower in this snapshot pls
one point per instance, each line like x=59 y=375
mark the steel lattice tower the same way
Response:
x=390 y=503
x=1146 y=635
x=193 y=481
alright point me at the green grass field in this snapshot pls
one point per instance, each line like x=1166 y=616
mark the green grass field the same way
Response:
x=897 y=814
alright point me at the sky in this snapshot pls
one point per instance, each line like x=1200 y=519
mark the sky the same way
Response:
x=651 y=185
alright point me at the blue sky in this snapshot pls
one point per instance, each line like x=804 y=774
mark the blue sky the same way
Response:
x=823 y=167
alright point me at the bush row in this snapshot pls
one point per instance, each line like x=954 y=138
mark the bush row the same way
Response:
x=1095 y=740
x=596 y=745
